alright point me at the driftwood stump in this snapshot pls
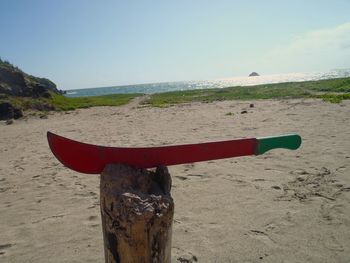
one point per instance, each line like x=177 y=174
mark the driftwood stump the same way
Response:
x=137 y=214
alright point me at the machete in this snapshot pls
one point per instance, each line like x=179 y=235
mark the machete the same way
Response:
x=91 y=159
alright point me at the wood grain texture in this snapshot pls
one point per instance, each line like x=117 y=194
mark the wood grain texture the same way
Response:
x=137 y=214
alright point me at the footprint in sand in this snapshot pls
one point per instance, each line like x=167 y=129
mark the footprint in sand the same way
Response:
x=259 y=180
x=86 y=194
x=91 y=218
x=19 y=168
x=276 y=187
x=332 y=244
x=92 y=221
x=188 y=176
x=196 y=175
x=94 y=205
x=54 y=217
x=262 y=236
x=82 y=186
x=310 y=183
x=182 y=178
x=237 y=181
x=4 y=247
x=4 y=186
x=341 y=169
x=276 y=226
x=188 y=166
x=184 y=256
x=44 y=157
x=333 y=213
x=187 y=259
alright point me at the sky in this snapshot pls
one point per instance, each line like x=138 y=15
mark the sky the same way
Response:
x=85 y=43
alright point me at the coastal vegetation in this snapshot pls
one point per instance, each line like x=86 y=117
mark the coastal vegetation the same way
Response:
x=20 y=91
x=15 y=82
x=64 y=103
x=332 y=90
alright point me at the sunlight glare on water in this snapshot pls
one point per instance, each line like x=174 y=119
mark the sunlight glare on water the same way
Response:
x=207 y=84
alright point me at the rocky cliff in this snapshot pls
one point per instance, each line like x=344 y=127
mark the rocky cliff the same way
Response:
x=15 y=82
x=20 y=91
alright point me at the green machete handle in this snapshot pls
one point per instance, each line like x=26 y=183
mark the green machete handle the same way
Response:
x=288 y=141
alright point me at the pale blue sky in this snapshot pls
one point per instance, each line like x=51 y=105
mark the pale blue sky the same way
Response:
x=81 y=43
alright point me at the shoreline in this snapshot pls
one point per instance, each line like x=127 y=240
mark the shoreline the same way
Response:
x=332 y=90
x=169 y=86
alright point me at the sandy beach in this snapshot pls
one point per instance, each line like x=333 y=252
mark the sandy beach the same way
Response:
x=283 y=206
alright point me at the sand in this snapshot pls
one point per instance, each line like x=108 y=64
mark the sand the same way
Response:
x=283 y=206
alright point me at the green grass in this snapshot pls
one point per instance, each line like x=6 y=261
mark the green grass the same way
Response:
x=65 y=103
x=327 y=85
x=331 y=90
x=334 y=98
x=59 y=102
x=307 y=89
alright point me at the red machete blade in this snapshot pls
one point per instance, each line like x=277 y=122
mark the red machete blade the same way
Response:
x=91 y=159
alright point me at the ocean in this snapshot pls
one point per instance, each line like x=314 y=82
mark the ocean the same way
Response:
x=205 y=84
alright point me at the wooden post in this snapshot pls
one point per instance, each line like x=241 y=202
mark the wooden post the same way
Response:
x=137 y=214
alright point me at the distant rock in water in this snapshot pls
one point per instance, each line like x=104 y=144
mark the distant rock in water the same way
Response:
x=253 y=74
x=15 y=82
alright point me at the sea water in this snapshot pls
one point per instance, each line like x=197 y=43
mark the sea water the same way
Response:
x=205 y=84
